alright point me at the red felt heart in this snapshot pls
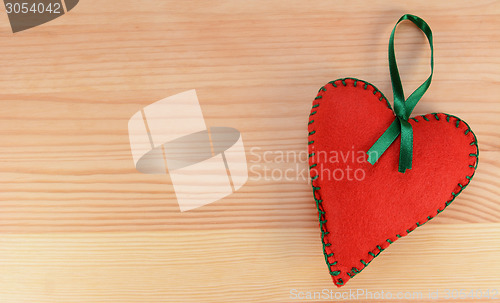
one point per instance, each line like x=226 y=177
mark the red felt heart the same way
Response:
x=363 y=208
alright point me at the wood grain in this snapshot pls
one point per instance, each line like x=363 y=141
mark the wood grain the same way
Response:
x=78 y=223
x=258 y=265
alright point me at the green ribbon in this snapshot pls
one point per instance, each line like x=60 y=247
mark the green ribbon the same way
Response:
x=402 y=108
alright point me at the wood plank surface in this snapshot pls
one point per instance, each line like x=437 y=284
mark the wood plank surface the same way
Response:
x=78 y=223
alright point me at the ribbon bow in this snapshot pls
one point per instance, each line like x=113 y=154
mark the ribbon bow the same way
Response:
x=402 y=108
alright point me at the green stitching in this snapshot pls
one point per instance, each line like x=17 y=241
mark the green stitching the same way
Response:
x=318 y=97
x=375 y=90
x=321 y=212
x=354 y=271
x=317 y=189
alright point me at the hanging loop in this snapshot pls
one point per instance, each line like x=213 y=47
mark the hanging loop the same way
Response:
x=402 y=108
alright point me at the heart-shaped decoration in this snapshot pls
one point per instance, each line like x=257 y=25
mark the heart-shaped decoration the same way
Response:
x=363 y=208
x=366 y=200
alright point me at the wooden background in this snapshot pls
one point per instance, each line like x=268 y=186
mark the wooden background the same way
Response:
x=78 y=223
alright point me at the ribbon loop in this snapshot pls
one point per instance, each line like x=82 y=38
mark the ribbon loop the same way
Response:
x=402 y=108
